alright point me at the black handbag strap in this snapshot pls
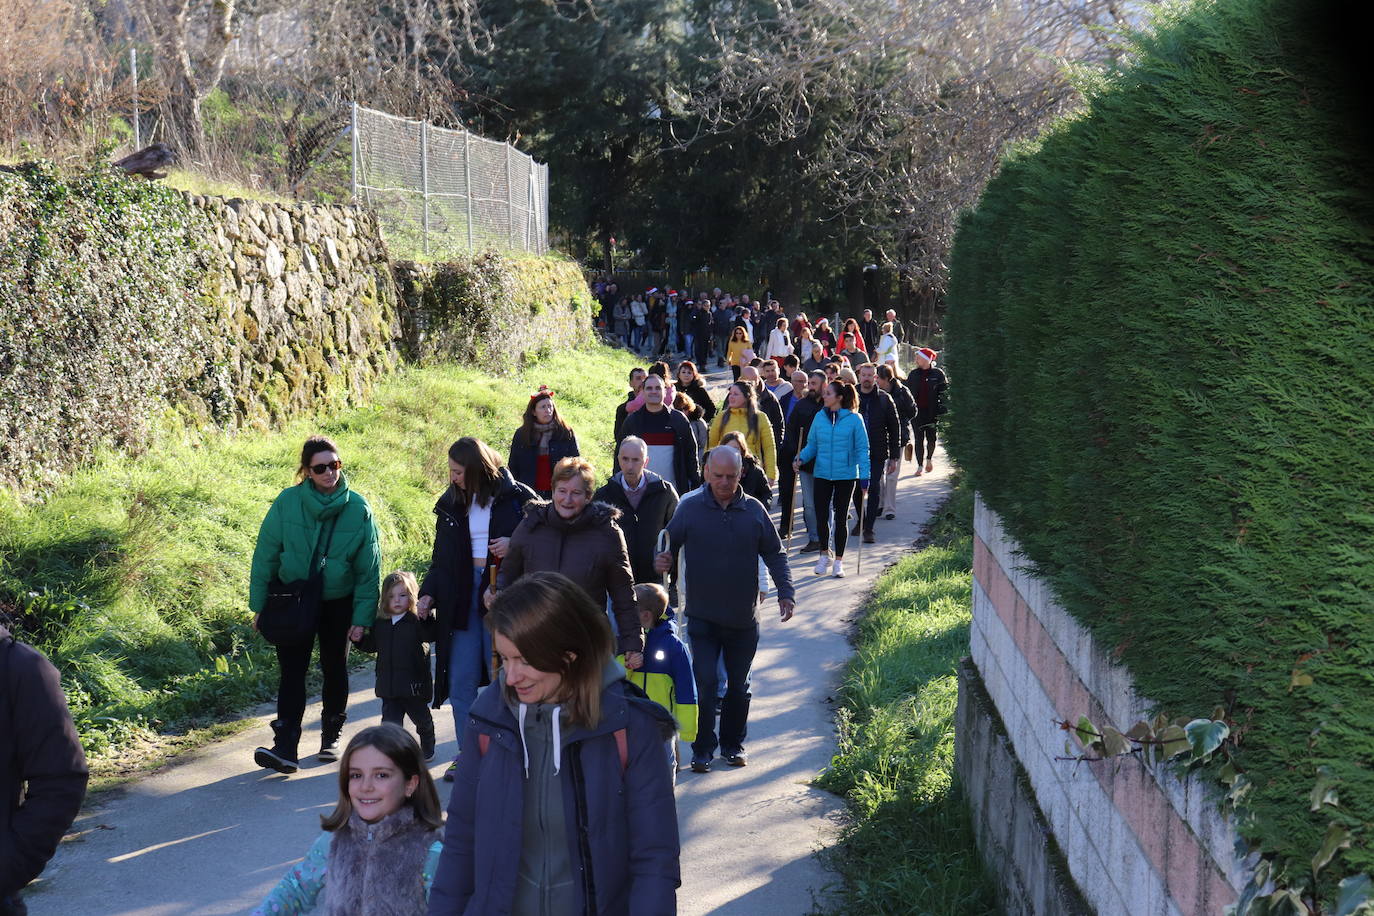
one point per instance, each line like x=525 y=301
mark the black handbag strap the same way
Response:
x=322 y=556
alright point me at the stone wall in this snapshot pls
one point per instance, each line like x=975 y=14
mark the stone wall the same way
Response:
x=305 y=305
x=1137 y=839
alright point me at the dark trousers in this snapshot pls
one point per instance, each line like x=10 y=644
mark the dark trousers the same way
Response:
x=737 y=645
x=833 y=496
x=395 y=710
x=336 y=616
x=787 y=487
x=924 y=427
x=734 y=371
x=701 y=349
x=722 y=347
x=874 y=498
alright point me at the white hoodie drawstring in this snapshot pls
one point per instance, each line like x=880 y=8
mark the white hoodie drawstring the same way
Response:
x=523 y=746
x=557 y=740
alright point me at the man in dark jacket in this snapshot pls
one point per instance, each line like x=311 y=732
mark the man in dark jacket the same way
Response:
x=869 y=330
x=768 y=404
x=646 y=502
x=801 y=411
x=884 y=444
x=906 y=412
x=722 y=323
x=701 y=332
x=724 y=533
x=637 y=375
x=668 y=435
x=927 y=383
x=41 y=762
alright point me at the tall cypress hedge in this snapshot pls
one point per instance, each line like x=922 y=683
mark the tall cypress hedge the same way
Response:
x=1162 y=321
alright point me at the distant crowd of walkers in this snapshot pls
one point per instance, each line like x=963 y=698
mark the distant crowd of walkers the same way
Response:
x=610 y=616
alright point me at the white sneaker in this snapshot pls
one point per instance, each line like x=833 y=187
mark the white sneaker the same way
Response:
x=822 y=562
x=838 y=570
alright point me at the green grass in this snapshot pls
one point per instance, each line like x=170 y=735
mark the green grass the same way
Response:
x=909 y=846
x=132 y=574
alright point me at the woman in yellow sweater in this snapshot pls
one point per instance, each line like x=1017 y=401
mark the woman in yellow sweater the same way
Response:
x=734 y=353
x=740 y=413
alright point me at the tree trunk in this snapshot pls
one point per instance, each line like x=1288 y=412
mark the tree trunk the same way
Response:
x=190 y=78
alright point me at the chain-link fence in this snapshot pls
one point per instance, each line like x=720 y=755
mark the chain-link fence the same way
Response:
x=437 y=190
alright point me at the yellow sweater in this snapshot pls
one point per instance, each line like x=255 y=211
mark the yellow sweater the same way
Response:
x=760 y=442
x=734 y=353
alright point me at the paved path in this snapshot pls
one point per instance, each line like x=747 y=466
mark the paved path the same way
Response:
x=213 y=833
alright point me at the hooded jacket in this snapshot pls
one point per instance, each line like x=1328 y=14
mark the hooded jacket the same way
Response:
x=40 y=760
x=666 y=676
x=296 y=523
x=838 y=443
x=604 y=837
x=589 y=549
x=449 y=579
x=402 y=656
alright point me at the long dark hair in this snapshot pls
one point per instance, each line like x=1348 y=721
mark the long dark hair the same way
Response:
x=400 y=748
x=561 y=430
x=751 y=409
x=481 y=470
x=558 y=630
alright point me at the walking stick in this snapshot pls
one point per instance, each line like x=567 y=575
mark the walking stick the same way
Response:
x=661 y=546
x=859 y=550
x=791 y=520
x=495 y=659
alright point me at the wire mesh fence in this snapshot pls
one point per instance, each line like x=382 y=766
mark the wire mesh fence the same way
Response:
x=437 y=191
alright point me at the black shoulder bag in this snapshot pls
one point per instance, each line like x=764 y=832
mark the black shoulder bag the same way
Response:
x=291 y=614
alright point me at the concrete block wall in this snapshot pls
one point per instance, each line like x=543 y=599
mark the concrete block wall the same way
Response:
x=1137 y=839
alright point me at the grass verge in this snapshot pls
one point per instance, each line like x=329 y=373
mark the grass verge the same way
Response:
x=909 y=847
x=132 y=574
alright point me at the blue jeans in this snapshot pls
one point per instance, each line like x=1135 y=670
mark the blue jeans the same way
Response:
x=711 y=641
x=469 y=655
x=807 y=484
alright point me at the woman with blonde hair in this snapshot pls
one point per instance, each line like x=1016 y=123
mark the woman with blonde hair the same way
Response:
x=740 y=413
x=571 y=778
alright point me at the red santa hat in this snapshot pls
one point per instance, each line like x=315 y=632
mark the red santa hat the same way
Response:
x=928 y=353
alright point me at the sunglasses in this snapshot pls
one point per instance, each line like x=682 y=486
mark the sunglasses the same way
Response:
x=326 y=466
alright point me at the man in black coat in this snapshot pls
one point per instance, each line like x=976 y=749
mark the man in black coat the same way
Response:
x=800 y=410
x=646 y=502
x=906 y=412
x=41 y=762
x=701 y=333
x=884 y=444
x=870 y=331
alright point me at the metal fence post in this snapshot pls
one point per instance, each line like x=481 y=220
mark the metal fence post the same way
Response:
x=424 y=180
x=467 y=181
x=510 y=202
x=357 y=150
x=133 y=69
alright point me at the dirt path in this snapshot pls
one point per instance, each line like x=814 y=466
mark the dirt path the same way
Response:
x=212 y=834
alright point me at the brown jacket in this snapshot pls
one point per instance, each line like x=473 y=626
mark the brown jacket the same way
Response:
x=590 y=550
x=40 y=759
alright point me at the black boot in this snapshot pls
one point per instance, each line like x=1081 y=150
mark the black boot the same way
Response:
x=281 y=756
x=427 y=743
x=330 y=730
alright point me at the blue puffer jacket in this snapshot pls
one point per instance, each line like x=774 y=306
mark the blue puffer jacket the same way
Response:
x=839 y=444
x=621 y=822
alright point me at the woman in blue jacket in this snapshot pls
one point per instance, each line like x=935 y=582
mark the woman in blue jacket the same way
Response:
x=838 y=443
x=542 y=441
x=563 y=802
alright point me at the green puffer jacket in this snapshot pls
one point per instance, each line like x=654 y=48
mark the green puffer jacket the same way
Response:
x=288 y=536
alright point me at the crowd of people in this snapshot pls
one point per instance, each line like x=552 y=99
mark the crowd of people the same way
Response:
x=610 y=617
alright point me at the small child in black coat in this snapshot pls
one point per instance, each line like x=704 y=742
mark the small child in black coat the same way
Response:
x=400 y=638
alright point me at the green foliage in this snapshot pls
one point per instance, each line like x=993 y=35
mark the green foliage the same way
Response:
x=492 y=309
x=1161 y=315
x=132 y=573
x=909 y=847
x=98 y=320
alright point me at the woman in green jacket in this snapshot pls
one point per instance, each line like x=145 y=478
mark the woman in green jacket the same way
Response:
x=320 y=509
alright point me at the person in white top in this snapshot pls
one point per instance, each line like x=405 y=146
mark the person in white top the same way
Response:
x=778 y=344
x=887 y=348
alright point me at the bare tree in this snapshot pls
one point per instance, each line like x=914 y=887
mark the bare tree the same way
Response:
x=912 y=103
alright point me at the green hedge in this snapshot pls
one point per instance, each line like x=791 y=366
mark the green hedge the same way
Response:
x=1161 y=316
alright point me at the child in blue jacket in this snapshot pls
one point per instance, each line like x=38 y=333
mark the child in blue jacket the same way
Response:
x=666 y=675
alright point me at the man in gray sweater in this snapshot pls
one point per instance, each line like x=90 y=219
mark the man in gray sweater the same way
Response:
x=724 y=533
